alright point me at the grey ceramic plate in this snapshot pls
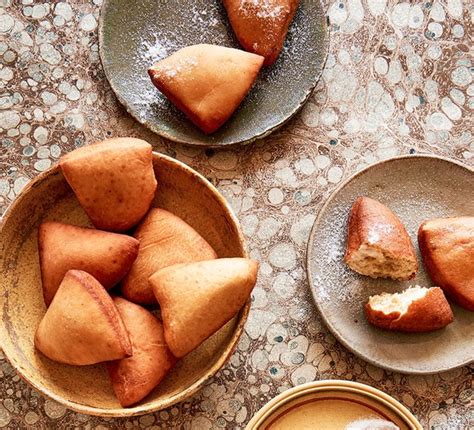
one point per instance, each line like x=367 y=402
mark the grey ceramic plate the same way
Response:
x=416 y=188
x=135 y=34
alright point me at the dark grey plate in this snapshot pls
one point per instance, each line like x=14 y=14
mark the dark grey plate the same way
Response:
x=135 y=34
x=416 y=188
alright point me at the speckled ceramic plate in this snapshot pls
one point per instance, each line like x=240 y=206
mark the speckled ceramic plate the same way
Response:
x=416 y=188
x=311 y=403
x=135 y=34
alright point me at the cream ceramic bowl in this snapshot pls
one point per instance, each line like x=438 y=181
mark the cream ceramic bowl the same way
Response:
x=181 y=191
x=302 y=402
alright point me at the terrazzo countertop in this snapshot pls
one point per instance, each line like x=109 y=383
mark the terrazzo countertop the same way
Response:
x=398 y=80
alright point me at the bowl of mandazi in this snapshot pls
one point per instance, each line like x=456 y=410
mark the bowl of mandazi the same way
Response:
x=42 y=209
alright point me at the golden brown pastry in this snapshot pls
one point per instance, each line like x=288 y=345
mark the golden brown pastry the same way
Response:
x=165 y=239
x=197 y=299
x=133 y=378
x=261 y=25
x=206 y=82
x=416 y=309
x=447 y=248
x=82 y=325
x=62 y=247
x=377 y=243
x=113 y=180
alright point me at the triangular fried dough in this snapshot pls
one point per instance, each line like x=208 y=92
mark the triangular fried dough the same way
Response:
x=133 y=378
x=82 y=325
x=261 y=25
x=206 y=82
x=113 y=181
x=62 y=247
x=165 y=240
x=197 y=299
x=447 y=248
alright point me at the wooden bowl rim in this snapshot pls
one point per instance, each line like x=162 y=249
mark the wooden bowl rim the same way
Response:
x=196 y=386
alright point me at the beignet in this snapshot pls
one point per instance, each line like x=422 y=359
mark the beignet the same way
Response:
x=82 y=325
x=62 y=247
x=377 y=243
x=165 y=240
x=447 y=248
x=197 y=299
x=206 y=82
x=416 y=309
x=133 y=378
x=113 y=180
x=261 y=25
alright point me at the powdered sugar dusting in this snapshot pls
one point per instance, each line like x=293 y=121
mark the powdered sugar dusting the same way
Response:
x=157 y=50
x=378 y=230
x=184 y=64
x=265 y=9
x=371 y=424
x=204 y=18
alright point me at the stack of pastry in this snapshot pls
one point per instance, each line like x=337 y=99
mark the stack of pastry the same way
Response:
x=208 y=82
x=378 y=245
x=165 y=262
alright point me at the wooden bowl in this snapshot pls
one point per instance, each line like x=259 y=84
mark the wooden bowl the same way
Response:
x=87 y=389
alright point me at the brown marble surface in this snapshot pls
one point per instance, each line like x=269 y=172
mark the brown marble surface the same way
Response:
x=398 y=80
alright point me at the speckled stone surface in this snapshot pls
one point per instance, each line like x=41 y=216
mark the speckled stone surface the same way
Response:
x=398 y=80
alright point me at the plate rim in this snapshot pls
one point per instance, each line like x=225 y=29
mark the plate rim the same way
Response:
x=332 y=384
x=140 y=409
x=189 y=142
x=309 y=255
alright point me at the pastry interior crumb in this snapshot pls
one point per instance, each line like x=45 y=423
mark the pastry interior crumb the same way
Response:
x=375 y=262
x=398 y=302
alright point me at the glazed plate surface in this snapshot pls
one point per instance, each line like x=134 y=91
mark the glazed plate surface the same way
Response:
x=135 y=34
x=416 y=188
